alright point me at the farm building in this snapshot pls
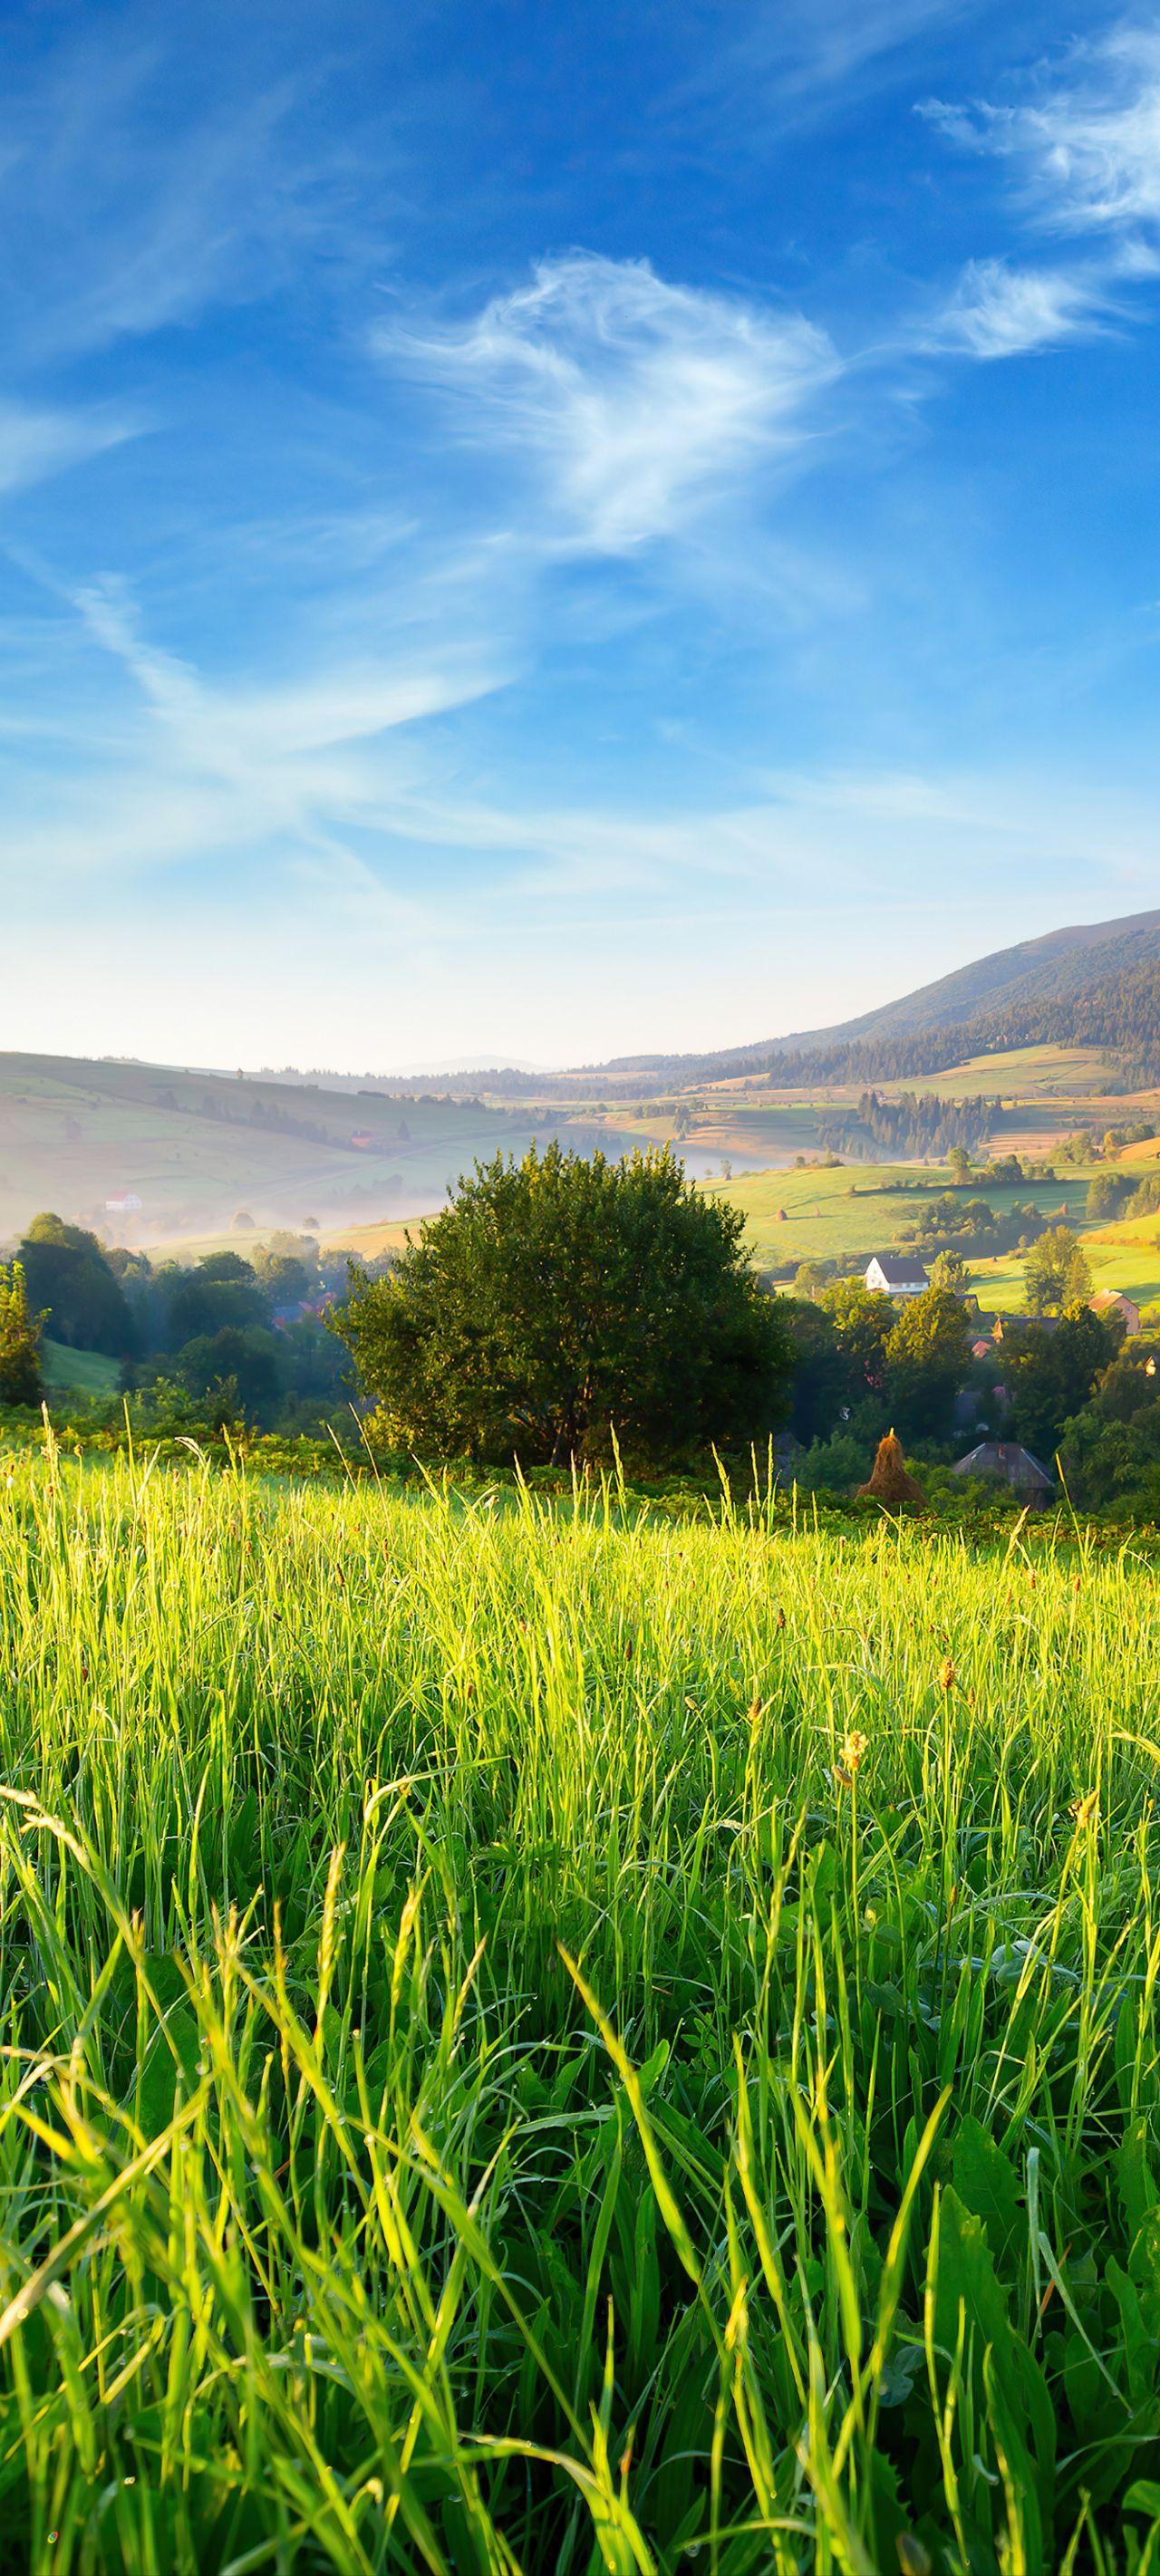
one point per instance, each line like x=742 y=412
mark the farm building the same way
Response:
x=123 y=1203
x=1112 y=1302
x=896 y=1274
x=1006 y=1462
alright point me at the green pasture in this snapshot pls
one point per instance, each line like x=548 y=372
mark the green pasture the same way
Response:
x=864 y=1206
x=68 y=1372
x=1125 y=1256
x=199 y=1148
x=541 y=2040
x=1021 y=1074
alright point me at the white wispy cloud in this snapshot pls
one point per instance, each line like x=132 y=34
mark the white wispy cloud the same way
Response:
x=36 y=441
x=632 y=400
x=1087 y=148
x=998 y=311
x=191 y=768
x=139 y=203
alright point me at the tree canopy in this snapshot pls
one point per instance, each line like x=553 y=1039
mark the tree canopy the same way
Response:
x=559 y=1304
x=1056 y=1272
x=20 y=1379
x=70 y=1279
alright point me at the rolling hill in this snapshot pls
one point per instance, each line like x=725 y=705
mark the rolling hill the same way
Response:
x=193 y=1153
x=1063 y=966
x=1095 y=985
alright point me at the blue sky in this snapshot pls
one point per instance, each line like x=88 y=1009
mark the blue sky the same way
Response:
x=557 y=531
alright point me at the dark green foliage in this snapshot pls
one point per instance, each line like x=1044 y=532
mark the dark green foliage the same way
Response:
x=1106 y=1195
x=559 y=1305
x=241 y=1370
x=1056 y=1272
x=1111 y=1446
x=821 y=1373
x=20 y=1378
x=1050 y=1375
x=222 y=1294
x=926 y=1358
x=972 y=1225
x=894 y=1130
x=72 y=1282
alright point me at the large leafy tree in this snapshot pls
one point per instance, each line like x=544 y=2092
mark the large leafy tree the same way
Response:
x=1050 y=1375
x=927 y=1358
x=69 y=1277
x=20 y=1379
x=559 y=1303
x=1056 y=1272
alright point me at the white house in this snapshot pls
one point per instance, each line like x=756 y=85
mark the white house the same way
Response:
x=126 y=1203
x=896 y=1274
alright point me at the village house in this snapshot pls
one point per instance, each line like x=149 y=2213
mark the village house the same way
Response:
x=896 y=1274
x=1112 y=1302
x=123 y=1203
x=1005 y=1462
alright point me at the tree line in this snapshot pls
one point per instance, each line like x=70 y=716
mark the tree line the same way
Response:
x=571 y=1311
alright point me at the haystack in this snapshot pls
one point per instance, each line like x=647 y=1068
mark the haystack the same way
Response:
x=889 y=1482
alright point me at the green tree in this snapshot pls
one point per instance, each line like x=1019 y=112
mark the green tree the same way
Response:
x=20 y=1378
x=809 y=1281
x=245 y=1368
x=949 y=1271
x=558 y=1302
x=927 y=1358
x=71 y=1281
x=1050 y=1375
x=222 y=1294
x=863 y=1324
x=821 y=1371
x=959 y=1165
x=1106 y=1194
x=1056 y=1272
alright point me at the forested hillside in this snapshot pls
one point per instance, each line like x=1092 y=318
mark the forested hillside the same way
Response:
x=1095 y=986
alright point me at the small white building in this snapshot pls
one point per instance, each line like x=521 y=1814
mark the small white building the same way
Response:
x=896 y=1274
x=124 y=1203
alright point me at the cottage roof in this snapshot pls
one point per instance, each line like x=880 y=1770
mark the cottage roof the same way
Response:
x=899 y=1270
x=1005 y=1458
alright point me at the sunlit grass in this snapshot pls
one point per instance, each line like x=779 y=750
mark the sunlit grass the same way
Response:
x=543 y=2039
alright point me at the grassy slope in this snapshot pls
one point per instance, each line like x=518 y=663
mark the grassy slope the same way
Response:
x=345 y=2168
x=1021 y=1073
x=824 y=1221
x=74 y=1133
x=80 y=1372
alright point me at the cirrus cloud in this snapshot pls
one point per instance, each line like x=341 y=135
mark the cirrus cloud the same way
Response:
x=632 y=400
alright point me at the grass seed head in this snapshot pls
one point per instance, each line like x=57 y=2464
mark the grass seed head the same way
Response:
x=853 y=1748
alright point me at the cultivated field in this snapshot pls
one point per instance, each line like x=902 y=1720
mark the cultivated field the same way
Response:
x=552 y=2041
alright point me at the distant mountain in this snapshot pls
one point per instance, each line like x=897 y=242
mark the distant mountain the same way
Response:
x=1060 y=967
x=1095 y=985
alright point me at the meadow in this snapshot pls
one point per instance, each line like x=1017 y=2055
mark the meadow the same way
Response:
x=849 y=1208
x=548 y=2038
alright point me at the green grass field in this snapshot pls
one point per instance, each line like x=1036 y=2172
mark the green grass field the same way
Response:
x=68 y=1372
x=1022 y=1073
x=551 y=2041
x=859 y=1206
x=200 y=1148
